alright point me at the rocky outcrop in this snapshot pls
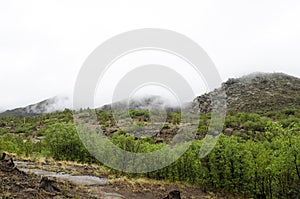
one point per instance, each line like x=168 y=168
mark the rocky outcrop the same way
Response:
x=256 y=93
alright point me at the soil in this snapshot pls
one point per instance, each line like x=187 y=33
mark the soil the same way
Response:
x=18 y=184
x=151 y=191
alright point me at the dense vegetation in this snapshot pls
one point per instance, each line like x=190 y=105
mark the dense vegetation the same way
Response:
x=257 y=156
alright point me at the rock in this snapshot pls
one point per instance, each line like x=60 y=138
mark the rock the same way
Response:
x=7 y=165
x=159 y=140
x=30 y=190
x=113 y=196
x=243 y=131
x=3 y=156
x=228 y=131
x=34 y=140
x=173 y=195
x=110 y=130
x=47 y=185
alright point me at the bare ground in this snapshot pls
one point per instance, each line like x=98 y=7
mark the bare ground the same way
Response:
x=17 y=184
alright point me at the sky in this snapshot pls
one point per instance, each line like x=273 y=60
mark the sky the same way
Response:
x=43 y=44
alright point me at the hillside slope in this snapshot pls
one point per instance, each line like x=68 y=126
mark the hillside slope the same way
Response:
x=46 y=106
x=257 y=93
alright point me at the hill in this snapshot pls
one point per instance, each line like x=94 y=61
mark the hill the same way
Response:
x=257 y=93
x=254 y=93
x=46 y=106
x=143 y=103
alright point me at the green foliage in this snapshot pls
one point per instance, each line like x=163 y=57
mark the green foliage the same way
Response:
x=141 y=115
x=254 y=126
x=176 y=117
x=288 y=121
x=4 y=131
x=261 y=161
x=259 y=169
x=16 y=144
x=63 y=143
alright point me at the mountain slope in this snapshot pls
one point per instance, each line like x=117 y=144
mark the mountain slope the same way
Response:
x=257 y=93
x=46 y=106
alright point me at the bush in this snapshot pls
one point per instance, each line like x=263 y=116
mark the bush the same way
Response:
x=64 y=143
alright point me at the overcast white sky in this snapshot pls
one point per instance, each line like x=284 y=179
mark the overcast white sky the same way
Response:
x=44 y=43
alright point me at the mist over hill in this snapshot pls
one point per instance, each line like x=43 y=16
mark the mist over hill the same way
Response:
x=144 y=103
x=256 y=92
x=58 y=103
